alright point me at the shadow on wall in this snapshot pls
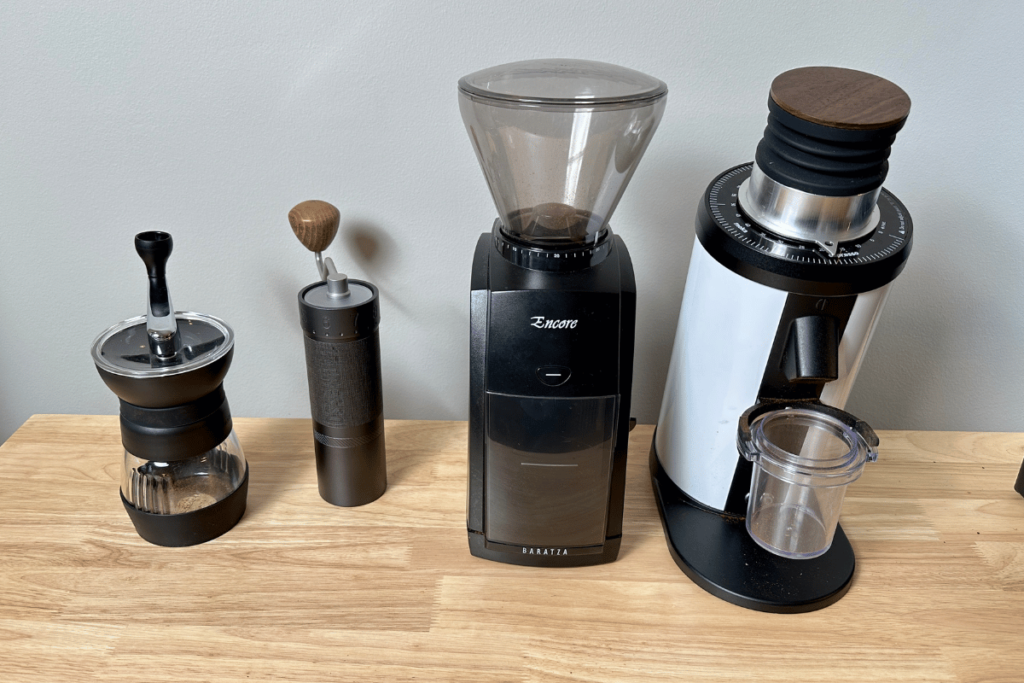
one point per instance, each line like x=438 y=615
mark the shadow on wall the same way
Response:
x=661 y=242
x=945 y=354
x=370 y=247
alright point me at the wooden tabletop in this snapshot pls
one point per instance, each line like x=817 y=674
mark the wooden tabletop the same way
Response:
x=303 y=591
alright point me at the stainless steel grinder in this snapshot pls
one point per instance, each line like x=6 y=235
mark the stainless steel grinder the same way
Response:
x=793 y=259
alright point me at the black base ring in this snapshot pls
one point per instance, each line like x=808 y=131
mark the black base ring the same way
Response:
x=716 y=553
x=191 y=528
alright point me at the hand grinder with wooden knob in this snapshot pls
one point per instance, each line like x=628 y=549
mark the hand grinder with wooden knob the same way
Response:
x=339 y=318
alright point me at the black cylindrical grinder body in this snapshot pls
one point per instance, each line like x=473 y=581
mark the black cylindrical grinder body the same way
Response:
x=342 y=345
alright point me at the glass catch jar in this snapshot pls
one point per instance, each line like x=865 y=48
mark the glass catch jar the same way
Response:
x=182 y=486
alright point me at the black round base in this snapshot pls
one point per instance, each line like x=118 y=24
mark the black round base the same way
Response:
x=191 y=528
x=717 y=553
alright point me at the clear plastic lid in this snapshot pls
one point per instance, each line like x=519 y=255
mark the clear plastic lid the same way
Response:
x=558 y=141
x=563 y=82
x=808 y=446
x=123 y=349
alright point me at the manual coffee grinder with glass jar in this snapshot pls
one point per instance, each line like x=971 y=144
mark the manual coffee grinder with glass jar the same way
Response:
x=793 y=259
x=184 y=477
x=553 y=307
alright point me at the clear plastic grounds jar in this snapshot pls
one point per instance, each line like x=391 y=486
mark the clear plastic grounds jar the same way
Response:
x=804 y=457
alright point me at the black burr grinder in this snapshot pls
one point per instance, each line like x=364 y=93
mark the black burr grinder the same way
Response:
x=339 y=318
x=184 y=478
x=1019 y=486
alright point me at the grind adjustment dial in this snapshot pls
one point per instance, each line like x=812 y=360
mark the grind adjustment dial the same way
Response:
x=733 y=237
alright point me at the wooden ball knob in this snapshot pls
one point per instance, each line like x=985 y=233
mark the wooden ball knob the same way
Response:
x=315 y=223
x=841 y=98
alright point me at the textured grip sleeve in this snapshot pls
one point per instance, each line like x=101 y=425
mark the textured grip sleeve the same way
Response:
x=344 y=381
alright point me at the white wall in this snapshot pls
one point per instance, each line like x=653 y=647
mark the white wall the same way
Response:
x=210 y=120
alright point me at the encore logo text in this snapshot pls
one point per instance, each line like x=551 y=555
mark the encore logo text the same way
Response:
x=541 y=324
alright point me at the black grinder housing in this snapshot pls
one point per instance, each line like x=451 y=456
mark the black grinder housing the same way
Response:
x=553 y=308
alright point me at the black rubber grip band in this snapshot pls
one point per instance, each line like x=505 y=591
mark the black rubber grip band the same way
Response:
x=822 y=160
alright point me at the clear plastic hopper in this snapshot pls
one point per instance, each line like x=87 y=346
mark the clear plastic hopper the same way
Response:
x=558 y=141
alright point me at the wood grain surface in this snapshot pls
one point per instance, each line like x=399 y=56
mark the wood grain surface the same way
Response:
x=841 y=98
x=315 y=223
x=303 y=591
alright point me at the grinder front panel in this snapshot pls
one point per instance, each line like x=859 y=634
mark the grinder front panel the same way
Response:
x=551 y=362
x=548 y=468
x=552 y=408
